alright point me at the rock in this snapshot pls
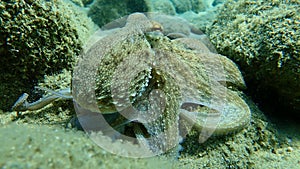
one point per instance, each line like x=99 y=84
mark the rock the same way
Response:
x=264 y=39
x=199 y=12
x=41 y=146
x=37 y=38
x=105 y=11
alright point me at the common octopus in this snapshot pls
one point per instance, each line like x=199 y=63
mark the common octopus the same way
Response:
x=157 y=75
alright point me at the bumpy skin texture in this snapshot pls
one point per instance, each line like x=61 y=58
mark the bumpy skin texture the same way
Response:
x=140 y=70
x=36 y=38
x=263 y=37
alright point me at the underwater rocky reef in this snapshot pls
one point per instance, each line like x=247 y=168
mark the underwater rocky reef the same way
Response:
x=40 y=42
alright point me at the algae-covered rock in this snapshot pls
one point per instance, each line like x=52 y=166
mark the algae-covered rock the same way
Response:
x=196 y=6
x=163 y=6
x=263 y=37
x=105 y=11
x=82 y=3
x=37 y=38
x=200 y=12
x=36 y=146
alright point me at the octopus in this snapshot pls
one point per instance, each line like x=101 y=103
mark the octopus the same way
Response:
x=153 y=78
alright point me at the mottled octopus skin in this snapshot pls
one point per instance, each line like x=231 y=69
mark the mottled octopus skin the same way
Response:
x=168 y=83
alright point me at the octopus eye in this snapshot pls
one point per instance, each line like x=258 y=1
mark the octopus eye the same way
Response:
x=156 y=26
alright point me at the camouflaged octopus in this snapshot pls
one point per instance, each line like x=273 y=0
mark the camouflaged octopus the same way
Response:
x=157 y=75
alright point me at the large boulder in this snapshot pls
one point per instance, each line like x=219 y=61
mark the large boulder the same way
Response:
x=263 y=37
x=37 y=37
